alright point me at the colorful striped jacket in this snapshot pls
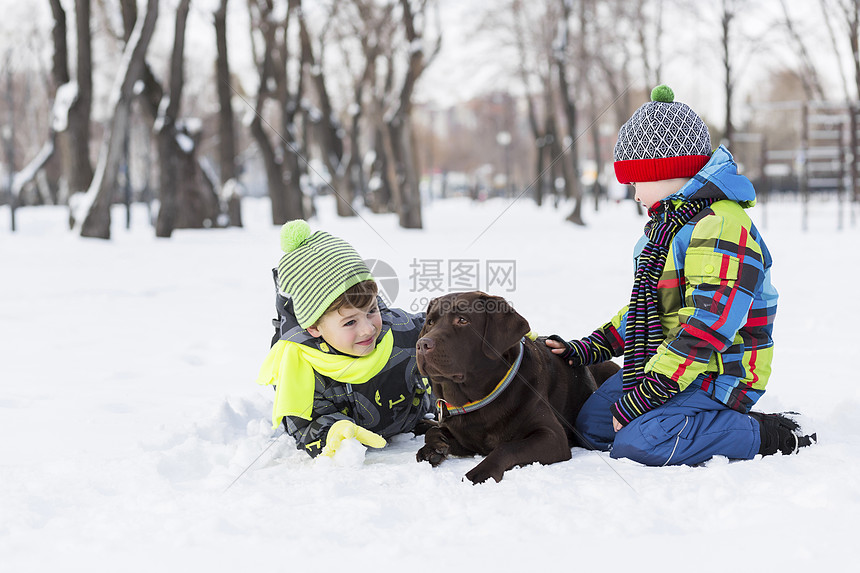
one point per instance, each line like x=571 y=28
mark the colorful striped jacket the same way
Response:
x=715 y=297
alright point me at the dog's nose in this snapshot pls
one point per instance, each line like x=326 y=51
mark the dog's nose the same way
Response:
x=425 y=344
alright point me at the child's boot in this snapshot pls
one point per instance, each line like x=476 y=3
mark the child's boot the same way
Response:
x=781 y=433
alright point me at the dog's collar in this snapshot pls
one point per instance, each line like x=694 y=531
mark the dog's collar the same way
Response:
x=446 y=409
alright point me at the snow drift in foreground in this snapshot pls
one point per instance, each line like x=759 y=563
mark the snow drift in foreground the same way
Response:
x=128 y=409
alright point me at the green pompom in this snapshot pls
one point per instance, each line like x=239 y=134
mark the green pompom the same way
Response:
x=293 y=234
x=663 y=93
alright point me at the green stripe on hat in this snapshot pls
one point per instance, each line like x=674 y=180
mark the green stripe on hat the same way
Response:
x=316 y=270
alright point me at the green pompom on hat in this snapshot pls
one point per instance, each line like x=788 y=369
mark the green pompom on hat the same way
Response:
x=663 y=93
x=663 y=139
x=316 y=269
x=293 y=234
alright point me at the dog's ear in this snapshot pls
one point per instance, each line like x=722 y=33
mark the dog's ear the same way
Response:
x=430 y=306
x=503 y=327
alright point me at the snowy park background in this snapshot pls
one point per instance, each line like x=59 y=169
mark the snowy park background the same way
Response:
x=128 y=408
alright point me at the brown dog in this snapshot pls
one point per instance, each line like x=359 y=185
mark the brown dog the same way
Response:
x=470 y=345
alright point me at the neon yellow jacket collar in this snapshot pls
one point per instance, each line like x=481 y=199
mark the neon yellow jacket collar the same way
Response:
x=290 y=366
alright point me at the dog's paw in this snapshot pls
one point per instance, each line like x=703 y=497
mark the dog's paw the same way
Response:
x=423 y=426
x=483 y=471
x=433 y=453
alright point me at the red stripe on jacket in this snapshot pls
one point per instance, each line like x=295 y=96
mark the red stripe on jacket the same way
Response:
x=742 y=245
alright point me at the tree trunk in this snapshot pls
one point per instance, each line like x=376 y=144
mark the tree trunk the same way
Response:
x=597 y=187
x=274 y=174
x=379 y=197
x=355 y=166
x=410 y=214
x=573 y=186
x=534 y=125
x=382 y=188
x=69 y=136
x=399 y=148
x=393 y=165
x=853 y=17
x=74 y=140
x=168 y=148
x=60 y=63
x=331 y=144
x=727 y=17
x=188 y=197
x=197 y=204
x=552 y=143
x=9 y=143
x=226 y=127
x=48 y=156
x=281 y=162
x=539 y=179
x=96 y=203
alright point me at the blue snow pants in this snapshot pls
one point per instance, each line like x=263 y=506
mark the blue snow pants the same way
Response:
x=689 y=428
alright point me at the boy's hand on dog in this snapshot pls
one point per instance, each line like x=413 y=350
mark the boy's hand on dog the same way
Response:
x=566 y=350
x=562 y=349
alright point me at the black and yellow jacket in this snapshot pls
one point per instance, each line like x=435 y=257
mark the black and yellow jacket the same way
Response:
x=315 y=385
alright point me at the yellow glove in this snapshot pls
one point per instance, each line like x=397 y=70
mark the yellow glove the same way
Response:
x=343 y=430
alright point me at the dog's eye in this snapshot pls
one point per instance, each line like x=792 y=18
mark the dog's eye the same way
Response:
x=462 y=320
x=430 y=322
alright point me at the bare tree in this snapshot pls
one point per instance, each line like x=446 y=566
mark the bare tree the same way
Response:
x=69 y=133
x=737 y=50
x=850 y=10
x=93 y=217
x=228 y=169
x=187 y=198
x=74 y=140
x=570 y=163
x=611 y=58
x=807 y=70
x=847 y=13
x=397 y=136
x=167 y=131
x=9 y=138
x=376 y=28
x=649 y=43
x=329 y=130
x=534 y=27
x=727 y=18
x=373 y=27
x=828 y=11
x=281 y=152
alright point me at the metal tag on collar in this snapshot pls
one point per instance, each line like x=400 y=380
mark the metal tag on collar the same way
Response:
x=442 y=408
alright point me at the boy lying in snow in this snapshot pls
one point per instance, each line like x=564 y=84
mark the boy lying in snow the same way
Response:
x=343 y=364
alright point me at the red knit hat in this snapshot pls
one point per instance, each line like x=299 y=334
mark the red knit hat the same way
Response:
x=664 y=139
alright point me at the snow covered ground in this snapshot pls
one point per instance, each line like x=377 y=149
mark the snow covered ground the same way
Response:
x=128 y=408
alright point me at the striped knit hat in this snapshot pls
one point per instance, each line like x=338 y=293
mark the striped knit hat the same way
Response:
x=316 y=269
x=664 y=139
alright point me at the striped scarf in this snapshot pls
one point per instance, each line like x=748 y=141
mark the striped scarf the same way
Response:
x=644 y=332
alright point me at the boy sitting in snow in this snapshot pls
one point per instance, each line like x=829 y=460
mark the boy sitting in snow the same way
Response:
x=696 y=335
x=342 y=363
